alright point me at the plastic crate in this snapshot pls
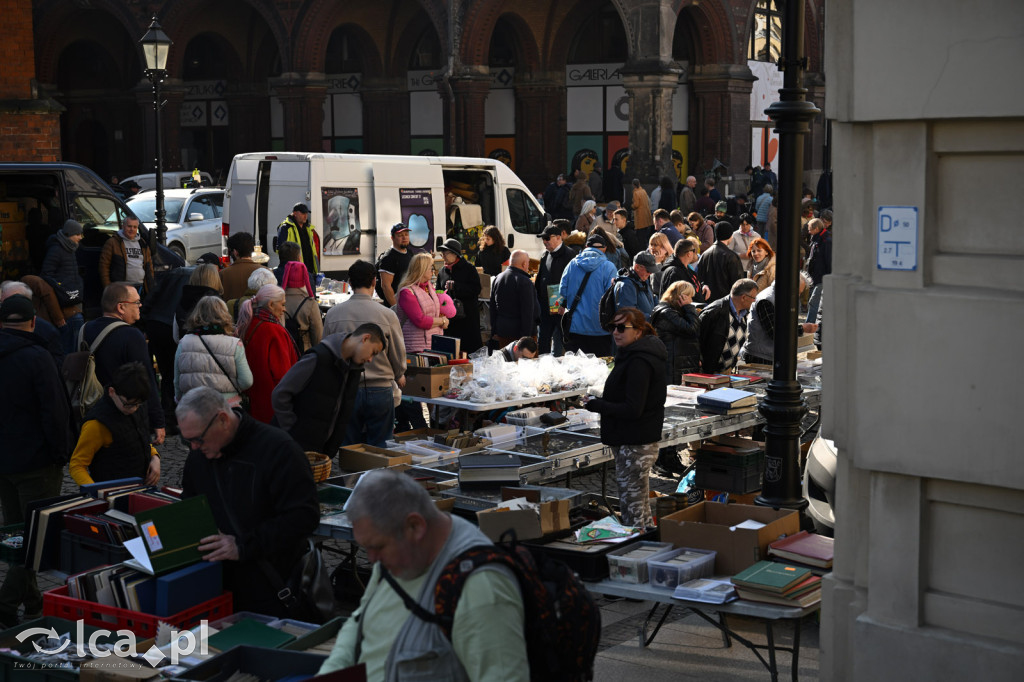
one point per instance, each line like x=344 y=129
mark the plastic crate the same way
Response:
x=662 y=573
x=728 y=479
x=323 y=633
x=624 y=569
x=266 y=664
x=57 y=603
x=79 y=553
x=12 y=555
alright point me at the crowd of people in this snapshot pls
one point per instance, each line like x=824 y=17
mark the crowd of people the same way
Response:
x=251 y=375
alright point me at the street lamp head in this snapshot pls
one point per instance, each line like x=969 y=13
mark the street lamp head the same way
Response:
x=155 y=46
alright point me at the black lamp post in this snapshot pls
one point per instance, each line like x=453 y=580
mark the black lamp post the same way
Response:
x=784 y=407
x=155 y=46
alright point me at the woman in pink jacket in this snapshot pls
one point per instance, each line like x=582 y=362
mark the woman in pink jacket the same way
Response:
x=423 y=312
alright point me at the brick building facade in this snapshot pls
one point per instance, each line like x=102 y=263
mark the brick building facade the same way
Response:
x=658 y=86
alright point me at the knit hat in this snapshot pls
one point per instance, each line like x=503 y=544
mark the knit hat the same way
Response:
x=723 y=230
x=71 y=228
x=721 y=207
x=17 y=308
x=296 y=276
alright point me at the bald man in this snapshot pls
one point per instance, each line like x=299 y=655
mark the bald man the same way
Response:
x=515 y=310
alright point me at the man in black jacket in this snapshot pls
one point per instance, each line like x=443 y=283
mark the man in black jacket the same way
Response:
x=515 y=310
x=314 y=399
x=261 y=492
x=723 y=327
x=557 y=255
x=121 y=302
x=719 y=267
x=34 y=438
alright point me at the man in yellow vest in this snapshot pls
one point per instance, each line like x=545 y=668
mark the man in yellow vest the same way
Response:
x=297 y=228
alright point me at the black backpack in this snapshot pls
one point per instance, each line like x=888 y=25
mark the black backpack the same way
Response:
x=378 y=263
x=608 y=305
x=562 y=623
x=291 y=323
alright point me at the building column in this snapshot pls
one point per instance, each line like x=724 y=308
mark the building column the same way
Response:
x=720 y=116
x=386 y=118
x=817 y=138
x=540 y=132
x=302 y=102
x=650 y=123
x=464 y=111
x=249 y=115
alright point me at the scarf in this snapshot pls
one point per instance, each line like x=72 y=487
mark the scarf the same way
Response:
x=756 y=268
x=68 y=245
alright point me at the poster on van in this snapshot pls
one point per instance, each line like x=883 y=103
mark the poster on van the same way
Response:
x=341 y=220
x=418 y=214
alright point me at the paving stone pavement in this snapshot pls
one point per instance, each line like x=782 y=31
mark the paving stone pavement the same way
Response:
x=686 y=647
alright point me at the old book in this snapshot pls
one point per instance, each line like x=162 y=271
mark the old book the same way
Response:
x=769 y=576
x=170 y=535
x=807 y=548
x=727 y=398
x=806 y=599
x=706 y=380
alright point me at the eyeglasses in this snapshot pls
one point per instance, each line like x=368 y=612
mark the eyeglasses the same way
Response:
x=620 y=328
x=750 y=296
x=198 y=441
x=138 y=303
x=546 y=237
x=128 y=404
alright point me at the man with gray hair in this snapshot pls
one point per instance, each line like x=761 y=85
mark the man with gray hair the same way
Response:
x=515 y=310
x=262 y=495
x=410 y=542
x=723 y=328
x=687 y=196
x=759 y=345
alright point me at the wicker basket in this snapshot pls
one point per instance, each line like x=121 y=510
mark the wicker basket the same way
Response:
x=321 y=465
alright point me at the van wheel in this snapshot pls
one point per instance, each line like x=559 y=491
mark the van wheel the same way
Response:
x=179 y=251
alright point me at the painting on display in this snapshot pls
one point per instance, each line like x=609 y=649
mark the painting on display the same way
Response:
x=501 y=148
x=341 y=220
x=584 y=151
x=418 y=214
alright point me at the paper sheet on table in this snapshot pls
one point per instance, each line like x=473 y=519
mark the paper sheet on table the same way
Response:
x=140 y=558
x=749 y=524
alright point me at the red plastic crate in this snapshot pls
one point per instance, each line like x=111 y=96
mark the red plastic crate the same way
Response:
x=57 y=603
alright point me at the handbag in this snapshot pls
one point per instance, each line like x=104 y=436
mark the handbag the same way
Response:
x=308 y=595
x=65 y=298
x=460 y=309
x=566 y=321
x=244 y=397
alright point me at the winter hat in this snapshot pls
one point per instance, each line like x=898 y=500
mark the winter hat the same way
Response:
x=296 y=276
x=17 y=308
x=71 y=228
x=721 y=207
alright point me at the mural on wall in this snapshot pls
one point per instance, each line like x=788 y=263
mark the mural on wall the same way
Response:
x=426 y=146
x=501 y=148
x=418 y=214
x=341 y=220
x=764 y=143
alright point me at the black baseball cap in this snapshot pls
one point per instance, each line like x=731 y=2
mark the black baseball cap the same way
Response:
x=302 y=208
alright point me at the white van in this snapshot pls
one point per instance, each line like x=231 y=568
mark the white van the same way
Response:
x=354 y=199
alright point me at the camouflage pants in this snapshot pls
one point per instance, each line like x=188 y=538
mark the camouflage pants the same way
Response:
x=632 y=468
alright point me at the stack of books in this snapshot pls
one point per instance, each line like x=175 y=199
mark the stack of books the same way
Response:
x=489 y=471
x=708 y=381
x=775 y=583
x=727 y=401
x=803 y=548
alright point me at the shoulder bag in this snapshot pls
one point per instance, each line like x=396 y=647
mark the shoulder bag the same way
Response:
x=244 y=397
x=566 y=321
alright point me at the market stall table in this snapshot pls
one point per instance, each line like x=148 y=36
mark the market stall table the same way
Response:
x=769 y=614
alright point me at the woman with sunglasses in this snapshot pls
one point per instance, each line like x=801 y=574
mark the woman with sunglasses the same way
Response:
x=632 y=410
x=269 y=348
x=115 y=441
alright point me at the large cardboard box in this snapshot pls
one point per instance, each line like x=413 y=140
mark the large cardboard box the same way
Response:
x=427 y=382
x=706 y=525
x=362 y=457
x=541 y=519
x=485 y=283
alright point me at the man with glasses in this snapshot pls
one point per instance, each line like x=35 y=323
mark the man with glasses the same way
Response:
x=552 y=264
x=261 y=492
x=723 y=327
x=122 y=305
x=114 y=442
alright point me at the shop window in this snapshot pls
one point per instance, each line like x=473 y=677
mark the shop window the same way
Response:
x=766 y=32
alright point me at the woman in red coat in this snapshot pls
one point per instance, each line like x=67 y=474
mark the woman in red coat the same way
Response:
x=269 y=348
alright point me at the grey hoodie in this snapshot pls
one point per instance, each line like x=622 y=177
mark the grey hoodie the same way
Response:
x=134 y=271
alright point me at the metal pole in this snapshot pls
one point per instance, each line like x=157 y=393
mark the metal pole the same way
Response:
x=784 y=407
x=161 y=222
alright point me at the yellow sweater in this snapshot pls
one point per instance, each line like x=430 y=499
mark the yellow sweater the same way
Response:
x=93 y=437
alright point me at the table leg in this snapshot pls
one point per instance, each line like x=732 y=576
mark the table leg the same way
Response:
x=725 y=630
x=796 y=646
x=644 y=639
x=772 y=667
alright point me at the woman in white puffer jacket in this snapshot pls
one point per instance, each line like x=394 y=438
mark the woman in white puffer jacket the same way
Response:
x=210 y=355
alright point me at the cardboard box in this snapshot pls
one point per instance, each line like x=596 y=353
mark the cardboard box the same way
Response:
x=528 y=524
x=10 y=212
x=362 y=457
x=427 y=382
x=706 y=526
x=485 y=283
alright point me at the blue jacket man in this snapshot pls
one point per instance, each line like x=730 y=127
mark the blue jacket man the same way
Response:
x=585 y=332
x=633 y=286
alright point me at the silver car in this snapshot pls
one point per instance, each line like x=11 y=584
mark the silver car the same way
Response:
x=193 y=218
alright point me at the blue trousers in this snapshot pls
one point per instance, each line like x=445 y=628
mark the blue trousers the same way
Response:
x=373 y=417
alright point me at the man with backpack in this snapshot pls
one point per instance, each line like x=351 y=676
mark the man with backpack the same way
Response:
x=412 y=542
x=121 y=305
x=632 y=289
x=584 y=281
